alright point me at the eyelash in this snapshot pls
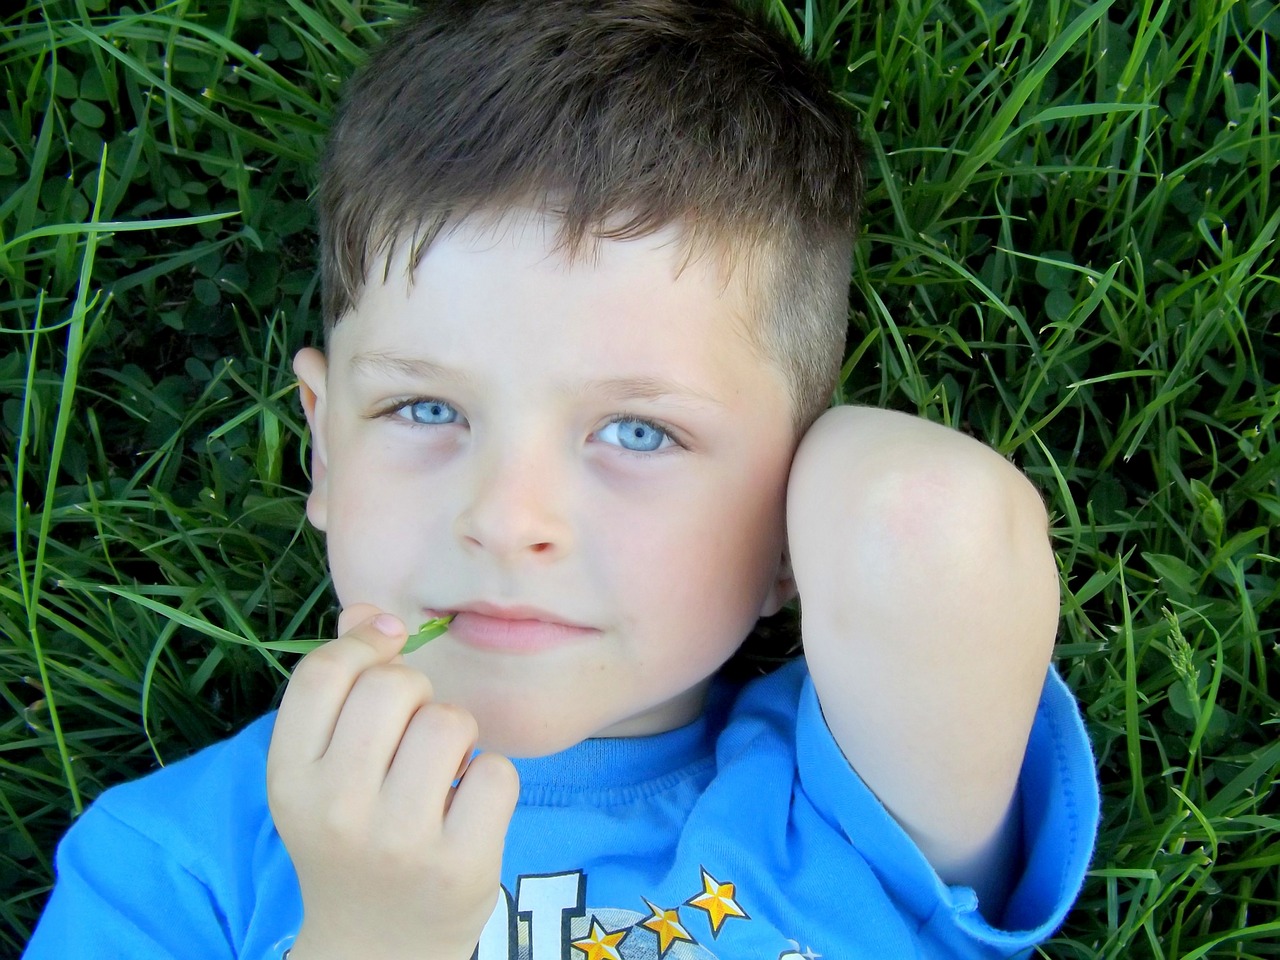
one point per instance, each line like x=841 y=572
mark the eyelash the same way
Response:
x=394 y=408
x=657 y=425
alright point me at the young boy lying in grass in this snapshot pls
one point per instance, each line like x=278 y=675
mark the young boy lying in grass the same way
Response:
x=586 y=268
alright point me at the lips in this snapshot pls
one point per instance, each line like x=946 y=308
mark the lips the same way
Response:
x=514 y=629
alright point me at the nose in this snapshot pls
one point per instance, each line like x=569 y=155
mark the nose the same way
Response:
x=516 y=505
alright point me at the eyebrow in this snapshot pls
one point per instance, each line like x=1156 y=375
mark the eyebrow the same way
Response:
x=388 y=364
x=646 y=388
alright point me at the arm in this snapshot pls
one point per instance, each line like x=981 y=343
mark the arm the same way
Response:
x=929 y=608
x=393 y=859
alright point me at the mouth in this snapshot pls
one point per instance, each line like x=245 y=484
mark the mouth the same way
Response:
x=513 y=629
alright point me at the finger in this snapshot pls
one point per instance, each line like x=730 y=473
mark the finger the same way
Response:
x=483 y=804
x=382 y=704
x=431 y=756
x=321 y=683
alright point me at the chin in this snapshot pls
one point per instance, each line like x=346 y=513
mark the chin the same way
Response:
x=519 y=742
x=529 y=732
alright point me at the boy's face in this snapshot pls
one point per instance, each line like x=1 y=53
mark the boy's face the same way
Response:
x=594 y=445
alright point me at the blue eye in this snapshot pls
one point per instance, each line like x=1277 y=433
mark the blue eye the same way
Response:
x=638 y=436
x=431 y=411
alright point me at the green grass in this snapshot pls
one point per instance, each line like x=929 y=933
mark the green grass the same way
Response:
x=1069 y=251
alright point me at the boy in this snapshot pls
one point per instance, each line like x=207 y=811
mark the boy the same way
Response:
x=585 y=269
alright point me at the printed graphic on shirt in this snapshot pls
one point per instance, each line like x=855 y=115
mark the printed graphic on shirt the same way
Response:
x=547 y=919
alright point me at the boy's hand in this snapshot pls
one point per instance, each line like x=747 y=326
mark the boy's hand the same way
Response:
x=392 y=859
x=929 y=600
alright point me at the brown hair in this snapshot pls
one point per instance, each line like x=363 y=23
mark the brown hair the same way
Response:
x=625 y=116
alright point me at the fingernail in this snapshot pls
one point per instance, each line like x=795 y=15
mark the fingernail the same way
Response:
x=387 y=624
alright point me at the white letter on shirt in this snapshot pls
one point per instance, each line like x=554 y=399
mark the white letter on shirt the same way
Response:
x=550 y=903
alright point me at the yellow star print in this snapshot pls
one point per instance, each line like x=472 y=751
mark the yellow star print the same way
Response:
x=666 y=924
x=717 y=900
x=601 y=944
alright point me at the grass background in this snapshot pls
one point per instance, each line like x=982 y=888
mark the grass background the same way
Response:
x=1070 y=252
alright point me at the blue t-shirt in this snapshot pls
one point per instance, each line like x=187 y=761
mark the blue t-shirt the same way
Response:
x=745 y=835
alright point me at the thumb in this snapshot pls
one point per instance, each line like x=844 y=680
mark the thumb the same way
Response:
x=361 y=613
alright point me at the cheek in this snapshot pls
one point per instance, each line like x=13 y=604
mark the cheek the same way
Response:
x=379 y=531
x=707 y=553
x=753 y=534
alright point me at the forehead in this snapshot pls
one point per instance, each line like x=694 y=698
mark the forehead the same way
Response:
x=519 y=259
x=736 y=267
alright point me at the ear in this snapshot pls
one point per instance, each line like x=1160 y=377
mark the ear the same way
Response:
x=311 y=368
x=783 y=588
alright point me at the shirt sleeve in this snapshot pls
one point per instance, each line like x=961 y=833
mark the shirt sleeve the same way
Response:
x=118 y=894
x=181 y=863
x=1059 y=805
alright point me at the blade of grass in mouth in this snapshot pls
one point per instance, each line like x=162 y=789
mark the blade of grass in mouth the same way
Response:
x=427 y=632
